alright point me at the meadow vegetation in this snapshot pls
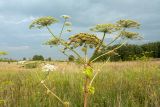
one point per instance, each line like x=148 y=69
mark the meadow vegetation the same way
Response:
x=120 y=84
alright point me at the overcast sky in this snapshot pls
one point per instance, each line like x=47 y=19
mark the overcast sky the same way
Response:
x=16 y=15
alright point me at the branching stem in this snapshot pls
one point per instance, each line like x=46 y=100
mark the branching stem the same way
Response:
x=107 y=52
x=62 y=28
x=63 y=43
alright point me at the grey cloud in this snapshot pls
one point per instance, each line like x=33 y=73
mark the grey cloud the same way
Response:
x=16 y=15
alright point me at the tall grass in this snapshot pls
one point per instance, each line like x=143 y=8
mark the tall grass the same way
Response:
x=125 y=84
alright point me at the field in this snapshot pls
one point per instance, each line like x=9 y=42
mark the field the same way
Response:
x=119 y=84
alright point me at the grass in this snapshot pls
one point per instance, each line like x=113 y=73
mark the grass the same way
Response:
x=120 y=84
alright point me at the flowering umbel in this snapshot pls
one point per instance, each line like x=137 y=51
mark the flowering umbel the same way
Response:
x=68 y=24
x=128 y=24
x=43 y=21
x=52 y=41
x=65 y=16
x=48 y=68
x=106 y=28
x=130 y=35
x=84 y=39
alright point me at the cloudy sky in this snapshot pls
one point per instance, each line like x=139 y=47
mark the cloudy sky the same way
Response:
x=16 y=15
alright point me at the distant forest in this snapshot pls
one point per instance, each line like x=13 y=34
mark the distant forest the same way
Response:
x=127 y=52
x=133 y=52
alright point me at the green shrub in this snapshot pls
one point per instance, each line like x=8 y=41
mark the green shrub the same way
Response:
x=31 y=65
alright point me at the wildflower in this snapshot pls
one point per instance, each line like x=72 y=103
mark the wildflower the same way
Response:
x=68 y=24
x=130 y=35
x=43 y=21
x=48 y=68
x=65 y=16
x=52 y=41
x=107 y=28
x=128 y=24
x=84 y=38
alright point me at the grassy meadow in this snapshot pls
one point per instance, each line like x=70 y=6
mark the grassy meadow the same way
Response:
x=119 y=84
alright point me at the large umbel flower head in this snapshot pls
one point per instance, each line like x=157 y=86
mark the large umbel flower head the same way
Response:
x=130 y=35
x=128 y=24
x=81 y=39
x=106 y=28
x=43 y=22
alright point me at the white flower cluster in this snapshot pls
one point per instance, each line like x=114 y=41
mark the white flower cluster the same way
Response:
x=48 y=68
x=65 y=16
x=68 y=24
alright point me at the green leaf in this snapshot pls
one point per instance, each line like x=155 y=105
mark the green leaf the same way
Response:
x=88 y=71
x=91 y=90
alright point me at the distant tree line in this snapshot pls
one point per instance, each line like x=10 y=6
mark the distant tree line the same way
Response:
x=132 y=52
x=125 y=53
x=34 y=58
x=41 y=58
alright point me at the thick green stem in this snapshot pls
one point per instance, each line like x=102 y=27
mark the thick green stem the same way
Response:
x=86 y=92
x=86 y=80
x=85 y=53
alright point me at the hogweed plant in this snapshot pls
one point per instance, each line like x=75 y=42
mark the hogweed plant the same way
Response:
x=86 y=42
